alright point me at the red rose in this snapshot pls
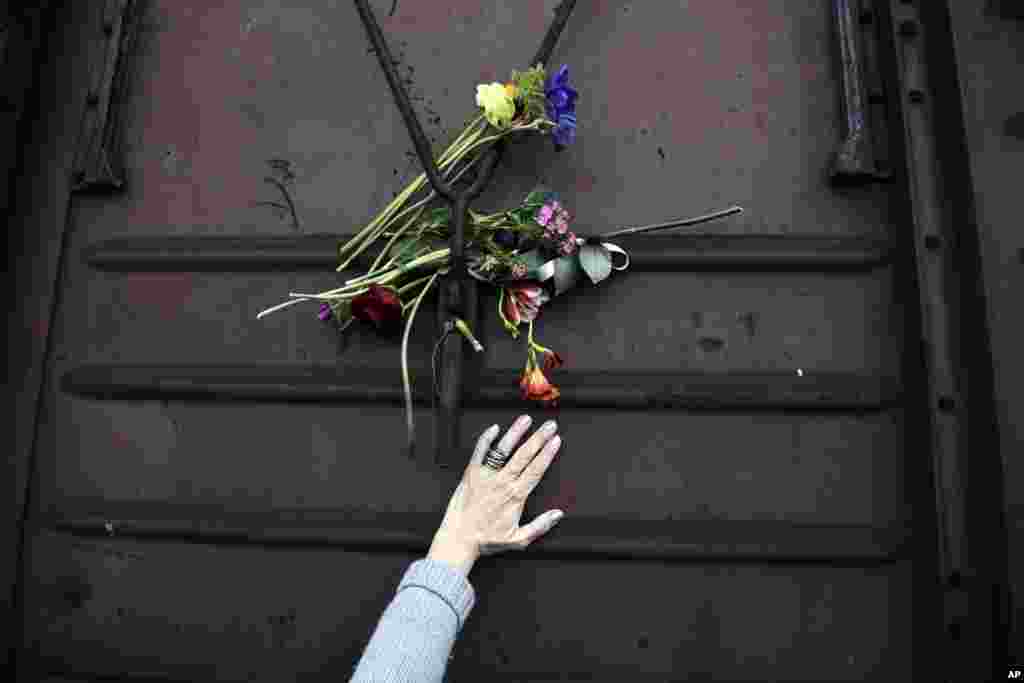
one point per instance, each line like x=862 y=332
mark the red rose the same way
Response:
x=380 y=306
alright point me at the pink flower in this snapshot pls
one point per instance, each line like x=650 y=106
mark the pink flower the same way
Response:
x=553 y=210
x=523 y=302
x=561 y=224
x=569 y=246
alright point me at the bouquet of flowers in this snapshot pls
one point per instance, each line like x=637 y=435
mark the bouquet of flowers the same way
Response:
x=529 y=253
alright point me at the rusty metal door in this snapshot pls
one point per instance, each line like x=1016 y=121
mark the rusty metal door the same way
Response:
x=216 y=497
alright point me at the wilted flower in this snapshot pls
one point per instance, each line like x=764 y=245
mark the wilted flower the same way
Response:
x=325 y=312
x=497 y=103
x=552 y=360
x=519 y=270
x=380 y=306
x=568 y=247
x=523 y=303
x=535 y=386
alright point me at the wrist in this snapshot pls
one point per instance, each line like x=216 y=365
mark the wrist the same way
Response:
x=459 y=556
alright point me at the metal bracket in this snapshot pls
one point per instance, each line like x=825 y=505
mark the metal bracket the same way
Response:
x=854 y=160
x=98 y=158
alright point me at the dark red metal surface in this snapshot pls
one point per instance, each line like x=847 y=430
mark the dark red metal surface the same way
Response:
x=748 y=468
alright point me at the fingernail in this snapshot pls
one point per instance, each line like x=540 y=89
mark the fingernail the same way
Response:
x=524 y=421
x=556 y=517
x=550 y=426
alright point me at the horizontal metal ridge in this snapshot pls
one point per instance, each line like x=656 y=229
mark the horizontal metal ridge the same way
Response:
x=289 y=381
x=814 y=252
x=680 y=537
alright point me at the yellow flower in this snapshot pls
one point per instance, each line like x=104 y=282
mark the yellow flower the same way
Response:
x=498 y=105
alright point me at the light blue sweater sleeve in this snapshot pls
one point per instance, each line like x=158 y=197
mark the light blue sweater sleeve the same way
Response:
x=415 y=635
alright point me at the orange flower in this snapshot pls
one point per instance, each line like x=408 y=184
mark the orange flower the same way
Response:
x=534 y=385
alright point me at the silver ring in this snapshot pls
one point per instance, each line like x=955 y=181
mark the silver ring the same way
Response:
x=495 y=458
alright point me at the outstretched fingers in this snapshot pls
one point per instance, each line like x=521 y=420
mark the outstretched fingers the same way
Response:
x=534 y=472
x=482 y=444
x=518 y=462
x=537 y=528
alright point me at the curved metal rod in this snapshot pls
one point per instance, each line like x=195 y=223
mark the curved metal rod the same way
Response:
x=419 y=138
x=486 y=170
x=451 y=298
x=547 y=46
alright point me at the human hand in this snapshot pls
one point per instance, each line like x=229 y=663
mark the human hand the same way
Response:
x=484 y=511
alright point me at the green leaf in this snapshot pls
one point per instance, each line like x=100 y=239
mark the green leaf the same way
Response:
x=567 y=273
x=535 y=197
x=439 y=217
x=407 y=248
x=596 y=261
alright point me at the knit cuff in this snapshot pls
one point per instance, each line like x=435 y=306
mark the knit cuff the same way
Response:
x=444 y=581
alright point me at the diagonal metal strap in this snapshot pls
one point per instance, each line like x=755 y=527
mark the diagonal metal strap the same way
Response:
x=458 y=291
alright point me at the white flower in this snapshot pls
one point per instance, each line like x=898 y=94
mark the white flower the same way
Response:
x=497 y=103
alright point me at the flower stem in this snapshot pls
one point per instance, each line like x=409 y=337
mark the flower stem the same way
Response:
x=398 y=233
x=468 y=142
x=512 y=329
x=370 y=234
x=405 y=363
x=422 y=207
x=413 y=284
x=389 y=275
x=455 y=151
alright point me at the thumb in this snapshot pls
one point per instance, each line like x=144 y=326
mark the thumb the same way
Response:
x=538 y=527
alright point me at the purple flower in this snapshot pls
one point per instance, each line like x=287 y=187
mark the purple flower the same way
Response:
x=325 y=312
x=561 y=106
x=506 y=238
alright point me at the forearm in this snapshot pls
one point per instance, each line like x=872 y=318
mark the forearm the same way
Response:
x=415 y=635
x=446 y=549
